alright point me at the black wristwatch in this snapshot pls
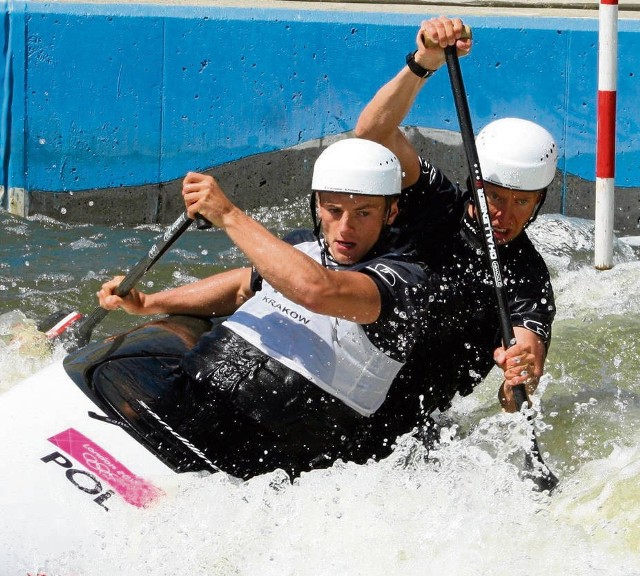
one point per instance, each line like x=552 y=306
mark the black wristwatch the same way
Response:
x=416 y=68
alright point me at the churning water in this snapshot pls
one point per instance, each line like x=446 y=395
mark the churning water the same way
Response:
x=465 y=511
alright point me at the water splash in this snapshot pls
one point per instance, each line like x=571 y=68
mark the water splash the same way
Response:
x=465 y=511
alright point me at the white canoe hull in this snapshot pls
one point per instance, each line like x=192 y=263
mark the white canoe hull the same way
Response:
x=64 y=474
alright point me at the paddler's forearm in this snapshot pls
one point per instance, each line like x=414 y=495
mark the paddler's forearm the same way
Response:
x=218 y=295
x=381 y=117
x=392 y=102
x=289 y=271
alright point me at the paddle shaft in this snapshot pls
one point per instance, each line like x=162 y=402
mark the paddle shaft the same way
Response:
x=479 y=197
x=490 y=248
x=86 y=326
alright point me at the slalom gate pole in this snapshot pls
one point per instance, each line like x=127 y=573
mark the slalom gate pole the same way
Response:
x=606 y=133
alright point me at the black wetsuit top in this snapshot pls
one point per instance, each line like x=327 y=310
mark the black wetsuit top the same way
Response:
x=461 y=329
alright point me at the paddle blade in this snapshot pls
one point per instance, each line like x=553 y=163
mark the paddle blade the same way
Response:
x=539 y=473
x=69 y=328
x=57 y=323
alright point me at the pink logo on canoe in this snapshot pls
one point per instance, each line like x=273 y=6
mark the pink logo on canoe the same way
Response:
x=132 y=488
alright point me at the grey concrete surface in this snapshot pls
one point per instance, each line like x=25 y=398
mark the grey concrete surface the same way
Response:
x=562 y=8
x=286 y=175
x=503 y=6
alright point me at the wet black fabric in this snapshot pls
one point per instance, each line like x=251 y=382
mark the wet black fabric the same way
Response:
x=228 y=406
x=461 y=329
x=300 y=427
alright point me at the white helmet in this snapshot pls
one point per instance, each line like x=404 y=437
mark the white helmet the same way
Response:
x=517 y=154
x=357 y=166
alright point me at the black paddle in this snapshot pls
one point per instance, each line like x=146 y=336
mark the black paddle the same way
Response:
x=77 y=334
x=538 y=471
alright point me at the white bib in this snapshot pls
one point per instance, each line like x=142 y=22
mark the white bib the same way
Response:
x=334 y=354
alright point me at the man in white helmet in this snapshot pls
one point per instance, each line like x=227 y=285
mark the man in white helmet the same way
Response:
x=461 y=339
x=316 y=332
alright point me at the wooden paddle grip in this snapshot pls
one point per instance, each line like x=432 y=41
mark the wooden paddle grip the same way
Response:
x=466 y=35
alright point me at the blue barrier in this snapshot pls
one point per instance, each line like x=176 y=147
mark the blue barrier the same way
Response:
x=106 y=95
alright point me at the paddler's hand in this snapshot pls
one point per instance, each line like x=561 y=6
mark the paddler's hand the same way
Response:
x=434 y=36
x=202 y=195
x=518 y=365
x=132 y=303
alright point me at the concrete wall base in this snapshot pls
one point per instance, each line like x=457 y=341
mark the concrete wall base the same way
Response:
x=17 y=201
x=273 y=178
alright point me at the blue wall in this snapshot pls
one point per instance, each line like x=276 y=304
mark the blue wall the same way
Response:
x=97 y=96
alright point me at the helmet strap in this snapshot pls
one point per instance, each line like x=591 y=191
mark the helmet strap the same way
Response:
x=536 y=210
x=313 y=205
x=317 y=227
x=388 y=202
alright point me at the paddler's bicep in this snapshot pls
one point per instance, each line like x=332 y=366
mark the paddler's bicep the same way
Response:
x=246 y=287
x=350 y=295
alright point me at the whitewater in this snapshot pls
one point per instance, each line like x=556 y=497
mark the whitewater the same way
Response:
x=464 y=511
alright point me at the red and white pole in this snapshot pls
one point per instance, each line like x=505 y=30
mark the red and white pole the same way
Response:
x=606 y=132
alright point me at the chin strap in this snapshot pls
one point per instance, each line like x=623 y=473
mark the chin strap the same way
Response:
x=536 y=210
x=317 y=224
